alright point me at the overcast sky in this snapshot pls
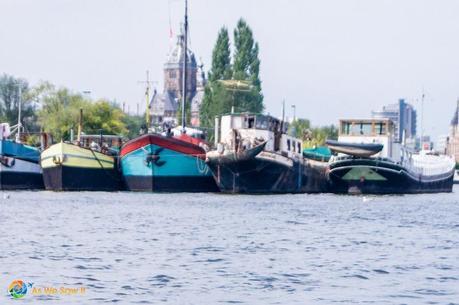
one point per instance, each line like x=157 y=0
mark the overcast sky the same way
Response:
x=331 y=58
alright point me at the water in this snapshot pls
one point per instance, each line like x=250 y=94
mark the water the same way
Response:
x=133 y=248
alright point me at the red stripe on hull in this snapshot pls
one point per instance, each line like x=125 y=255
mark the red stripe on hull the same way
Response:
x=165 y=142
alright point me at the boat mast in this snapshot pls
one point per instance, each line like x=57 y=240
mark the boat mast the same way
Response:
x=184 y=76
x=422 y=121
x=147 y=96
x=18 y=134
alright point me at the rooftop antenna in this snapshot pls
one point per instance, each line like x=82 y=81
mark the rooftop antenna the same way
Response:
x=184 y=77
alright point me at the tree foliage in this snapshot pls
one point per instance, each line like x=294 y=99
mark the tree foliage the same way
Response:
x=133 y=124
x=312 y=136
x=187 y=113
x=60 y=113
x=247 y=67
x=300 y=128
x=218 y=97
x=9 y=102
x=221 y=61
x=320 y=134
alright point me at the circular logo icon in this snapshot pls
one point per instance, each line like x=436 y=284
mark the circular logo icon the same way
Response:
x=17 y=289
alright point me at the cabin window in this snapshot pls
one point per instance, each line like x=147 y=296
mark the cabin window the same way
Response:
x=346 y=128
x=172 y=74
x=288 y=145
x=251 y=122
x=365 y=129
x=380 y=128
x=299 y=147
x=262 y=123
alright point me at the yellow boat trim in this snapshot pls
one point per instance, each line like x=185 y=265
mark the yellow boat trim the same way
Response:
x=75 y=156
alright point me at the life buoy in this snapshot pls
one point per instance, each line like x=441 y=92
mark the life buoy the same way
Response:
x=57 y=160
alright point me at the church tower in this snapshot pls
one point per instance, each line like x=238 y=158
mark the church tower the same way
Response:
x=173 y=71
x=453 y=139
x=164 y=106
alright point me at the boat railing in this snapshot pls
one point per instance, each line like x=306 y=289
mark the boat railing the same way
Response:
x=426 y=165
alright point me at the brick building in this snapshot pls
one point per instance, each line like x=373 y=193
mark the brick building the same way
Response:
x=164 y=106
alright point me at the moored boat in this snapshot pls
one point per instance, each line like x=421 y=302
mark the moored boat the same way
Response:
x=19 y=163
x=71 y=167
x=166 y=163
x=256 y=155
x=395 y=169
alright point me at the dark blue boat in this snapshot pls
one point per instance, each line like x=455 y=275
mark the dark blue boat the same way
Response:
x=354 y=149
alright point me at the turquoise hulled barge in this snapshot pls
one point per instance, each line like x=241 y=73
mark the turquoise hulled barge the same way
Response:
x=154 y=162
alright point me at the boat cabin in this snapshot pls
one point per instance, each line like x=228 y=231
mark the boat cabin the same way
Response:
x=366 y=131
x=258 y=127
x=103 y=143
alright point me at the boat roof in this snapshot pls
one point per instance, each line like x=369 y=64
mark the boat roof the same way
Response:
x=366 y=120
x=255 y=114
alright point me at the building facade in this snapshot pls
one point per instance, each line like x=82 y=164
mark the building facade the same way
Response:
x=404 y=117
x=164 y=106
x=453 y=138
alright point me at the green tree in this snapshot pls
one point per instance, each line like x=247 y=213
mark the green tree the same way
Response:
x=320 y=134
x=133 y=124
x=247 y=67
x=187 y=113
x=235 y=86
x=221 y=61
x=9 y=102
x=60 y=113
x=300 y=128
x=103 y=115
x=216 y=98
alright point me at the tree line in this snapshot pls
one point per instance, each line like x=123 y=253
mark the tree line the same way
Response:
x=46 y=108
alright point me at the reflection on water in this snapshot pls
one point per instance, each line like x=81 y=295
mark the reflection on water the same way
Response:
x=134 y=248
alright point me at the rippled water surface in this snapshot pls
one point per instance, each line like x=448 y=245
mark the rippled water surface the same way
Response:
x=134 y=248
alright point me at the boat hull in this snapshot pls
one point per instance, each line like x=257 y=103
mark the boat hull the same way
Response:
x=19 y=167
x=69 y=178
x=67 y=167
x=372 y=176
x=267 y=174
x=165 y=164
